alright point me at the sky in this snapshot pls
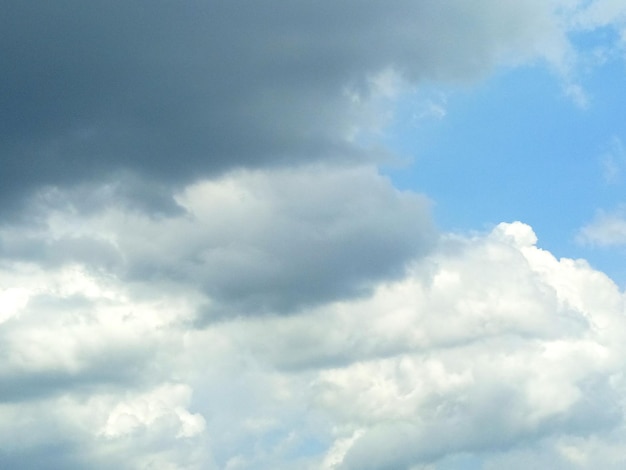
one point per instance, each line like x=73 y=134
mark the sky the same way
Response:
x=382 y=235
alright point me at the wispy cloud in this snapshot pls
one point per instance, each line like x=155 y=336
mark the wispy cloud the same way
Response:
x=613 y=161
x=607 y=228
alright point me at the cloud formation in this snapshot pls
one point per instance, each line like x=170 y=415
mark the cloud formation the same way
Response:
x=254 y=242
x=201 y=266
x=172 y=91
x=489 y=345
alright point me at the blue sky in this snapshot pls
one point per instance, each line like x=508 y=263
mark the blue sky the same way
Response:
x=313 y=235
x=517 y=147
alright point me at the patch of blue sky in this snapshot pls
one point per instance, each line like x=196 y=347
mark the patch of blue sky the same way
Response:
x=460 y=462
x=597 y=44
x=517 y=147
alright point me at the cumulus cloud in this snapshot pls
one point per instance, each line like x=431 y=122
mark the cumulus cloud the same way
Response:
x=133 y=430
x=500 y=344
x=87 y=374
x=487 y=344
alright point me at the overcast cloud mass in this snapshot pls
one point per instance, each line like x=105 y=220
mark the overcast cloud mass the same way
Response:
x=202 y=265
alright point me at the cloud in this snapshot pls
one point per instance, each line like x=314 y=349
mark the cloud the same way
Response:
x=253 y=241
x=607 y=229
x=602 y=13
x=132 y=430
x=487 y=344
x=201 y=267
x=73 y=328
x=613 y=161
x=173 y=91
x=500 y=344
x=87 y=374
x=504 y=345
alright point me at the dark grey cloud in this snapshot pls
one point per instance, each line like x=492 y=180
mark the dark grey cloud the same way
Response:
x=173 y=90
x=18 y=244
x=55 y=455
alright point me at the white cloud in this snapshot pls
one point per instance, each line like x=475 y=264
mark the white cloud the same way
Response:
x=504 y=335
x=486 y=342
x=607 y=229
x=517 y=352
x=145 y=411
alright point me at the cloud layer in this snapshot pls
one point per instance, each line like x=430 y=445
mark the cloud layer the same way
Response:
x=171 y=91
x=201 y=266
x=484 y=345
x=254 y=242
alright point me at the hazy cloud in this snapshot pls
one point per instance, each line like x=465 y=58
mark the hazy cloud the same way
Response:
x=486 y=343
x=613 y=161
